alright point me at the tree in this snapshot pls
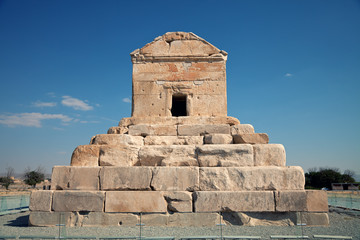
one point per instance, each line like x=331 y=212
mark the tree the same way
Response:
x=34 y=177
x=326 y=176
x=6 y=181
x=348 y=176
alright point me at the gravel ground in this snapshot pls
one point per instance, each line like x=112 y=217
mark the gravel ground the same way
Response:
x=342 y=222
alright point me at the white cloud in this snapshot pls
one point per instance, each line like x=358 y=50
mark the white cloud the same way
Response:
x=44 y=104
x=127 y=100
x=30 y=119
x=51 y=94
x=288 y=75
x=75 y=103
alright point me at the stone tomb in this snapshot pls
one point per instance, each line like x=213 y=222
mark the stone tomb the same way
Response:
x=179 y=159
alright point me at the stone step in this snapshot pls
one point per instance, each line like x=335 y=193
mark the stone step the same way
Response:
x=186 y=120
x=178 y=201
x=208 y=155
x=179 y=219
x=178 y=178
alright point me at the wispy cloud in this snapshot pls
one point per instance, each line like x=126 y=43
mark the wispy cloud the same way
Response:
x=43 y=104
x=51 y=94
x=75 y=103
x=30 y=119
x=289 y=75
x=127 y=100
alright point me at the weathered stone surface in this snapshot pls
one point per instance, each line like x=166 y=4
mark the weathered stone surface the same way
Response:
x=313 y=219
x=174 y=140
x=250 y=201
x=251 y=138
x=155 y=219
x=125 y=178
x=158 y=130
x=70 y=201
x=119 y=155
x=117 y=139
x=317 y=201
x=260 y=218
x=269 y=155
x=179 y=201
x=251 y=178
x=175 y=155
x=219 y=155
x=118 y=130
x=197 y=87
x=302 y=201
x=86 y=155
x=41 y=201
x=135 y=201
x=241 y=129
x=290 y=201
x=218 y=139
x=183 y=120
x=196 y=130
x=90 y=219
x=75 y=178
x=175 y=179
x=193 y=219
x=47 y=219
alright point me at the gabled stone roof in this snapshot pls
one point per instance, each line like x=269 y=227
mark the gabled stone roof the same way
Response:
x=175 y=45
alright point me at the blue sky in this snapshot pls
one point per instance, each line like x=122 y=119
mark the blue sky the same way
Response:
x=293 y=72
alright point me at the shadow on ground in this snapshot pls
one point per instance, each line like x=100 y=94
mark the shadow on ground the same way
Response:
x=22 y=221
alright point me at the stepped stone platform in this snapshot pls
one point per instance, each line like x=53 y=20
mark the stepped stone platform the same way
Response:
x=179 y=160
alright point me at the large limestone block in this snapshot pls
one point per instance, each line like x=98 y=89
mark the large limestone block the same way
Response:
x=70 y=201
x=174 y=155
x=155 y=219
x=309 y=201
x=147 y=106
x=290 y=201
x=135 y=201
x=41 y=201
x=219 y=155
x=158 y=130
x=251 y=138
x=75 y=178
x=119 y=155
x=251 y=178
x=241 y=129
x=125 y=178
x=249 y=201
x=193 y=219
x=203 y=129
x=260 y=218
x=218 y=139
x=93 y=219
x=174 y=140
x=313 y=219
x=184 y=120
x=316 y=201
x=269 y=155
x=175 y=76
x=118 y=130
x=209 y=105
x=86 y=155
x=179 y=201
x=48 y=219
x=200 y=87
x=117 y=139
x=175 y=179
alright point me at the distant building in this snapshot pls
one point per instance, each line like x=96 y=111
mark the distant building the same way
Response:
x=345 y=186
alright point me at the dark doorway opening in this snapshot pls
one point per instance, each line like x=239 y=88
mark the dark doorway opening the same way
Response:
x=178 y=106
